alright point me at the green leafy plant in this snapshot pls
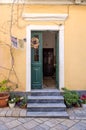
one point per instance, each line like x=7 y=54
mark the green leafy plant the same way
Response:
x=3 y=86
x=7 y=86
x=22 y=103
x=12 y=100
x=71 y=98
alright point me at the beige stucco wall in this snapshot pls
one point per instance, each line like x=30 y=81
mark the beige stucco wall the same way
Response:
x=75 y=41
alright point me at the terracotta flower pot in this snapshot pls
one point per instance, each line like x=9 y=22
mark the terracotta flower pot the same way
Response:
x=4 y=99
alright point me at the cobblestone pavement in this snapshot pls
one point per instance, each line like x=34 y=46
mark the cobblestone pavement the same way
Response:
x=15 y=119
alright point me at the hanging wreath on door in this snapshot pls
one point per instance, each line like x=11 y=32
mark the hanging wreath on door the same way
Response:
x=34 y=42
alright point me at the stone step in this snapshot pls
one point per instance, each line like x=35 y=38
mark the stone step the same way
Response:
x=46 y=107
x=48 y=114
x=45 y=99
x=45 y=92
x=46 y=103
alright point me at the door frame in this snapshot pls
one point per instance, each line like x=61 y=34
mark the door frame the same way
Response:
x=28 y=51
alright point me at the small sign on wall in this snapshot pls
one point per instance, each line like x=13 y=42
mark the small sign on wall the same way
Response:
x=17 y=43
x=14 y=42
x=20 y=43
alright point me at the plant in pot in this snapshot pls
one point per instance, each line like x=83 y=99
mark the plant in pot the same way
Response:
x=5 y=88
x=4 y=93
x=71 y=98
x=22 y=102
x=83 y=98
x=12 y=102
x=76 y=102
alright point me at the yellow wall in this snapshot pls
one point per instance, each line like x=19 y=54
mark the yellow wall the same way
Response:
x=75 y=41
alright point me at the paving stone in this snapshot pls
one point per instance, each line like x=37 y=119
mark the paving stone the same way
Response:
x=13 y=124
x=54 y=120
x=68 y=123
x=19 y=128
x=59 y=120
x=59 y=127
x=38 y=128
x=30 y=124
x=5 y=120
x=16 y=113
x=79 y=126
x=72 y=117
x=76 y=121
x=71 y=113
x=45 y=126
x=38 y=120
x=23 y=113
x=1 y=109
x=4 y=111
x=24 y=120
x=81 y=118
x=3 y=127
x=44 y=119
x=83 y=121
x=1 y=122
x=9 y=113
x=51 y=123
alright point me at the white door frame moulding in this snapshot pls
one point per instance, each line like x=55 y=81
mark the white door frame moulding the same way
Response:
x=28 y=52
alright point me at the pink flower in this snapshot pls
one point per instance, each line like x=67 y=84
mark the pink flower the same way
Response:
x=83 y=98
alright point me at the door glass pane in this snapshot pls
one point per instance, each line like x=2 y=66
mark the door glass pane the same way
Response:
x=36 y=54
x=36 y=50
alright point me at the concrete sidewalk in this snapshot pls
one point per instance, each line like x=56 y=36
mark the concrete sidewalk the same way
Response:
x=16 y=119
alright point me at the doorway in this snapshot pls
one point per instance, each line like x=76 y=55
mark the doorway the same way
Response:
x=60 y=29
x=49 y=59
x=45 y=60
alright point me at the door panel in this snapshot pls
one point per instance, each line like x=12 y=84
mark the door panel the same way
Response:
x=36 y=62
x=57 y=59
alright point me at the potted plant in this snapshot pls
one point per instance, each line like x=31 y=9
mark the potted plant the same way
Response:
x=12 y=102
x=5 y=88
x=83 y=98
x=22 y=102
x=71 y=98
x=4 y=95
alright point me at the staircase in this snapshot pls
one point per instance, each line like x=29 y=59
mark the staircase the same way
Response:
x=46 y=103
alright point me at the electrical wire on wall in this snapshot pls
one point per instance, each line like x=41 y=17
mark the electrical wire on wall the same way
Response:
x=68 y=12
x=12 y=21
x=12 y=70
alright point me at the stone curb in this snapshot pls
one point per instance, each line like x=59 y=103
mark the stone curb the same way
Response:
x=12 y=112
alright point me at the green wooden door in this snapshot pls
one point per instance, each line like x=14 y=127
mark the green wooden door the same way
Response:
x=57 y=59
x=36 y=62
